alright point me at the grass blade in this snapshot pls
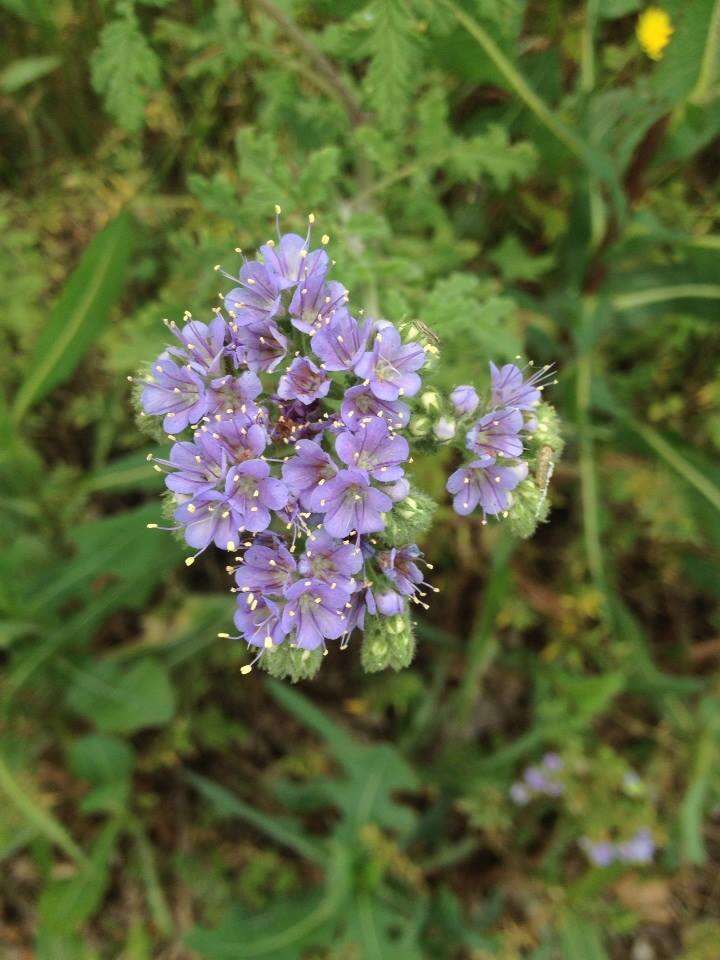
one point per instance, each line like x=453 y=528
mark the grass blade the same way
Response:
x=227 y=804
x=31 y=810
x=79 y=315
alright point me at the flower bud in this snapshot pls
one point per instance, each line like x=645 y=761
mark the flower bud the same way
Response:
x=444 y=428
x=389 y=603
x=387 y=642
x=464 y=399
x=419 y=426
x=430 y=400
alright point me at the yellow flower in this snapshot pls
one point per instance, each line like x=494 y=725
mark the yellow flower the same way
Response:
x=654 y=29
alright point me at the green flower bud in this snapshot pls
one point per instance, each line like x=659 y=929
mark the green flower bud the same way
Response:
x=430 y=400
x=387 y=642
x=289 y=662
x=409 y=519
x=548 y=431
x=419 y=426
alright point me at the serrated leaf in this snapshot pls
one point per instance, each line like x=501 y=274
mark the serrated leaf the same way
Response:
x=124 y=68
x=79 y=315
x=391 y=45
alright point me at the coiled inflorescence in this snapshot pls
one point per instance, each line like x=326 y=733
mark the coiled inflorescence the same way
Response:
x=295 y=417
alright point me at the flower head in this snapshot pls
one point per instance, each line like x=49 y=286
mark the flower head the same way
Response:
x=654 y=30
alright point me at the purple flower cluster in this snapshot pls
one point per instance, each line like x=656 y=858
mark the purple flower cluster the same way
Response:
x=495 y=439
x=638 y=850
x=285 y=414
x=540 y=780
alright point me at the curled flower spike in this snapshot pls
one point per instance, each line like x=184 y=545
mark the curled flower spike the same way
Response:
x=291 y=419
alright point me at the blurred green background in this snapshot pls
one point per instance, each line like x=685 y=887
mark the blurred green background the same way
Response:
x=522 y=177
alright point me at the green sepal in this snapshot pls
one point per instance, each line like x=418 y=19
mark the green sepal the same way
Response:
x=530 y=506
x=292 y=663
x=387 y=642
x=409 y=519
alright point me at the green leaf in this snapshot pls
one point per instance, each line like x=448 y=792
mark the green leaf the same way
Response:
x=281 y=829
x=373 y=773
x=20 y=73
x=515 y=263
x=704 y=769
x=123 y=700
x=389 y=79
x=80 y=314
x=101 y=759
x=66 y=904
x=287 y=931
x=581 y=939
x=124 y=68
x=36 y=816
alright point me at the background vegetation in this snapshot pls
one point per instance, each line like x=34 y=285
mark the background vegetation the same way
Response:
x=523 y=178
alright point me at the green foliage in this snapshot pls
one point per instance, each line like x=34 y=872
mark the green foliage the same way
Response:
x=125 y=68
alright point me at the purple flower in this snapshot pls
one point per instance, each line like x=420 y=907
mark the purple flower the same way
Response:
x=261 y=346
x=303 y=381
x=390 y=366
x=239 y=438
x=375 y=449
x=315 y=303
x=444 y=428
x=483 y=482
x=217 y=516
x=254 y=493
x=398 y=565
x=639 y=849
x=510 y=389
x=350 y=503
x=286 y=261
x=308 y=470
x=399 y=490
x=177 y=393
x=361 y=405
x=536 y=780
x=331 y=561
x=497 y=434
x=520 y=794
x=266 y=570
x=464 y=400
x=203 y=344
x=199 y=466
x=388 y=603
x=316 y=612
x=257 y=299
x=553 y=762
x=601 y=853
x=341 y=344
x=232 y=394
x=259 y=621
